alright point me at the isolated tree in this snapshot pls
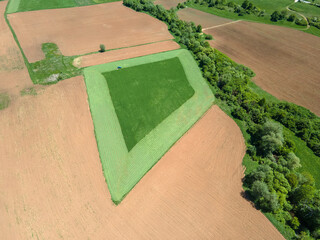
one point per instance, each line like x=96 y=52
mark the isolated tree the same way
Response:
x=102 y=48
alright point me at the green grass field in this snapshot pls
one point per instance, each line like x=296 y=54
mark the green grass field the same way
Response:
x=31 y=5
x=134 y=94
x=122 y=168
x=306 y=9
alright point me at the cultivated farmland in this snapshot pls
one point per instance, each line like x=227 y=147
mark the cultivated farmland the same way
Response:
x=125 y=53
x=51 y=186
x=285 y=60
x=13 y=73
x=100 y=24
x=137 y=122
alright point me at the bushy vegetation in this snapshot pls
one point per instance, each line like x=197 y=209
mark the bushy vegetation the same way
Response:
x=246 y=7
x=54 y=67
x=275 y=185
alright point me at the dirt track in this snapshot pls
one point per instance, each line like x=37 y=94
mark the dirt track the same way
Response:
x=125 y=53
x=81 y=30
x=52 y=187
x=13 y=73
x=286 y=61
x=204 y=19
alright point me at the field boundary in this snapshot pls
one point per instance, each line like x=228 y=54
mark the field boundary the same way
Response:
x=123 y=169
x=17 y=41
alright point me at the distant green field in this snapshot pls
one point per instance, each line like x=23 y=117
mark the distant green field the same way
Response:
x=31 y=5
x=124 y=167
x=137 y=90
x=265 y=19
x=269 y=7
x=306 y=9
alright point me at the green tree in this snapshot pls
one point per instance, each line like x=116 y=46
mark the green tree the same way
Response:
x=275 y=16
x=293 y=161
x=102 y=48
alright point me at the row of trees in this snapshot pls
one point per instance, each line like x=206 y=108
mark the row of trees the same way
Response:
x=246 y=7
x=284 y=15
x=275 y=186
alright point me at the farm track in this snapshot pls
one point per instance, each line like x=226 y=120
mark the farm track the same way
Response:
x=221 y=25
x=304 y=17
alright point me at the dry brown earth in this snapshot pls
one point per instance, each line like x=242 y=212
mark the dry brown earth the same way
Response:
x=81 y=30
x=13 y=73
x=168 y=3
x=204 y=19
x=52 y=186
x=125 y=53
x=286 y=61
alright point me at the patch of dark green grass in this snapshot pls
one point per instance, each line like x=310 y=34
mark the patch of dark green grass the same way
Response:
x=54 y=67
x=4 y=100
x=144 y=95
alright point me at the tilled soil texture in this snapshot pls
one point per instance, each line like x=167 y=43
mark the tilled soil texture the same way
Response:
x=125 y=53
x=204 y=19
x=13 y=73
x=52 y=184
x=286 y=61
x=81 y=30
x=168 y=3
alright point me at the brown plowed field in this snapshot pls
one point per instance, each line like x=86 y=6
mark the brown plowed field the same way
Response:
x=13 y=73
x=204 y=19
x=168 y=3
x=125 y=53
x=81 y=30
x=52 y=186
x=286 y=61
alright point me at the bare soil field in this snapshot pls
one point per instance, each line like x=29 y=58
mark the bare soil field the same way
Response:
x=286 y=61
x=125 y=53
x=52 y=186
x=168 y=3
x=13 y=73
x=204 y=19
x=81 y=30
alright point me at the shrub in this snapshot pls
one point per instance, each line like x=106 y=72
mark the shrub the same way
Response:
x=102 y=48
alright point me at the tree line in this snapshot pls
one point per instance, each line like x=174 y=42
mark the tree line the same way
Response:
x=275 y=186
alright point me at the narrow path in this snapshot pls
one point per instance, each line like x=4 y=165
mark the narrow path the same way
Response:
x=220 y=25
x=288 y=8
